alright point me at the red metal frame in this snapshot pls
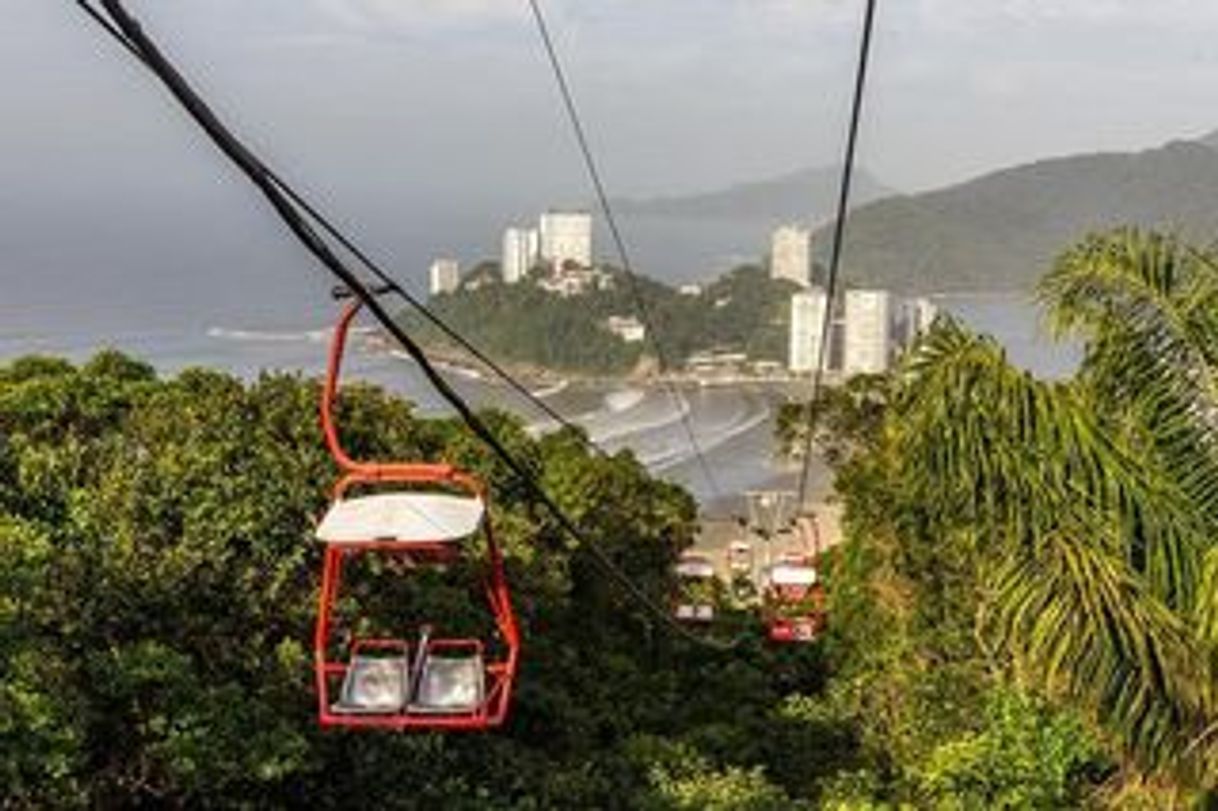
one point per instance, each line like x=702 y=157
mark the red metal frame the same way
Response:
x=500 y=672
x=793 y=613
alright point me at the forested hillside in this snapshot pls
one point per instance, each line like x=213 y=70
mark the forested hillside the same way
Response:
x=742 y=311
x=808 y=195
x=1001 y=231
x=158 y=581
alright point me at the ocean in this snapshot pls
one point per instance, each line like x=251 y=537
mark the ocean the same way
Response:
x=207 y=325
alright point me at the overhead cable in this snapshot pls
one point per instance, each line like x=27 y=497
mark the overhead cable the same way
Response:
x=373 y=267
x=139 y=43
x=839 y=238
x=602 y=197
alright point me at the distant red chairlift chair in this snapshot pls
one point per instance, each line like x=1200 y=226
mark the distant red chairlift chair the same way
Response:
x=695 y=577
x=389 y=684
x=794 y=601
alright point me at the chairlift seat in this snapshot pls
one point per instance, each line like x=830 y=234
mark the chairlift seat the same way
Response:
x=450 y=685
x=695 y=613
x=374 y=685
x=402 y=517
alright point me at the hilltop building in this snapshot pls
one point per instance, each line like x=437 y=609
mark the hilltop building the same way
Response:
x=628 y=328
x=868 y=331
x=445 y=276
x=570 y=283
x=566 y=239
x=807 y=319
x=791 y=255
x=920 y=313
x=521 y=251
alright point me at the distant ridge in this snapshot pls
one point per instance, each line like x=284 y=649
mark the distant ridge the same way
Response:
x=805 y=195
x=1002 y=230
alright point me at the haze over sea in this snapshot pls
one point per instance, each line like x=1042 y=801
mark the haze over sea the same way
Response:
x=261 y=307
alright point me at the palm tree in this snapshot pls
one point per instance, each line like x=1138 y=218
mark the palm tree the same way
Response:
x=1093 y=501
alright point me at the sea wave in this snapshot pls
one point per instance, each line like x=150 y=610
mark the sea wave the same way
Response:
x=707 y=442
x=550 y=391
x=622 y=400
x=459 y=371
x=268 y=336
x=615 y=403
x=444 y=366
x=682 y=411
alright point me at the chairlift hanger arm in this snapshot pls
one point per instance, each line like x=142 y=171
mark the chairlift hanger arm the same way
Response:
x=360 y=472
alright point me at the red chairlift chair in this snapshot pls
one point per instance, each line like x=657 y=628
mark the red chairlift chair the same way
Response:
x=794 y=601
x=425 y=519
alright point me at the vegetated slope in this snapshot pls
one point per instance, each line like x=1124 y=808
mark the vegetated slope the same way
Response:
x=1000 y=231
x=159 y=577
x=804 y=195
x=743 y=310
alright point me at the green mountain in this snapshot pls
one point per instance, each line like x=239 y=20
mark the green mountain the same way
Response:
x=808 y=194
x=1000 y=231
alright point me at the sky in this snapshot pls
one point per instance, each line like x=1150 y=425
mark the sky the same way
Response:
x=399 y=114
x=679 y=94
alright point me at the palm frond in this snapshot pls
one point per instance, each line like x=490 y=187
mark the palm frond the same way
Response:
x=1102 y=545
x=1081 y=620
x=989 y=442
x=1148 y=306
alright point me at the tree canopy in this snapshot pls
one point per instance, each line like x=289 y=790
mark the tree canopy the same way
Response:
x=157 y=591
x=742 y=311
x=1056 y=538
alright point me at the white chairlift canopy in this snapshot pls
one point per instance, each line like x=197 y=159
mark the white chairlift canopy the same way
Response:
x=793 y=574
x=698 y=567
x=402 y=517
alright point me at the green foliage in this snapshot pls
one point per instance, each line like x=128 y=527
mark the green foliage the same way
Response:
x=1023 y=756
x=158 y=580
x=999 y=231
x=683 y=780
x=1057 y=536
x=744 y=311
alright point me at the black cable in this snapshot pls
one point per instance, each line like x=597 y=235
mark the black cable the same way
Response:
x=581 y=137
x=839 y=236
x=250 y=165
x=373 y=267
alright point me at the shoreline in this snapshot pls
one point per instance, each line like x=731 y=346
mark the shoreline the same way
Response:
x=545 y=382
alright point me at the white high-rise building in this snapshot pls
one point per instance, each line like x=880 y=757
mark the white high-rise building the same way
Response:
x=566 y=237
x=807 y=321
x=445 y=276
x=791 y=255
x=521 y=250
x=868 y=333
x=920 y=313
